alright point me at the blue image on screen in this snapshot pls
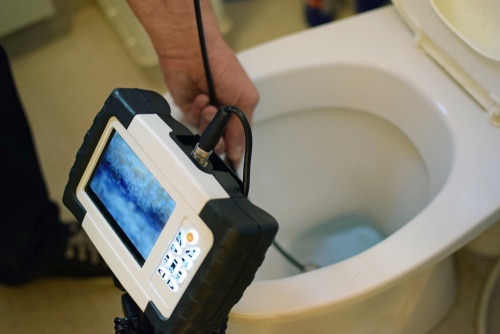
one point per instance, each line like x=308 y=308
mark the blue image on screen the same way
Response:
x=137 y=206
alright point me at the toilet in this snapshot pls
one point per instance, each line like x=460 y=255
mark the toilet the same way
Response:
x=377 y=149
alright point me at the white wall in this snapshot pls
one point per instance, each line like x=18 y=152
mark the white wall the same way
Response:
x=16 y=14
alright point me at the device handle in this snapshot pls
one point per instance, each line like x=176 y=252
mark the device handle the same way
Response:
x=135 y=321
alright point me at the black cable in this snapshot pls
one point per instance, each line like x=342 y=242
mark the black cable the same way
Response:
x=210 y=138
x=215 y=129
x=204 y=54
x=287 y=256
x=247 y=161
x=246 y=179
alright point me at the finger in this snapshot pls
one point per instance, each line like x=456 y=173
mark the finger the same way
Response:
x=235 y=141
x=206 y=116
x=221 y=147
x=193 y=115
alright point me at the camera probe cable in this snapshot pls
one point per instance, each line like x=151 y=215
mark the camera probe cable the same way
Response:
x=215 y=130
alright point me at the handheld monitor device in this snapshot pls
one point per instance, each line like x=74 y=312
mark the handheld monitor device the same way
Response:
x=181 y=239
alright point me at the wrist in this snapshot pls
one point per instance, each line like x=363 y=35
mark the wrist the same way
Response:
x=171 y=26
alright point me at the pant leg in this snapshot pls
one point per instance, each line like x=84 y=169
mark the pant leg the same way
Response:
x=31 y=236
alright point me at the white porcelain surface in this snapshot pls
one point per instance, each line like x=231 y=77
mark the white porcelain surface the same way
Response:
x=322 y=169
x=377 y=69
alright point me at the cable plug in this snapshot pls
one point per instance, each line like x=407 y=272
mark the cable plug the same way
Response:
x=211 y=136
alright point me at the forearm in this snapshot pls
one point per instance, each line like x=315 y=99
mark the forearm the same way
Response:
x=171 y=25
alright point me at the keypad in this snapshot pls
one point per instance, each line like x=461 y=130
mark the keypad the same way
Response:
x=179 y=258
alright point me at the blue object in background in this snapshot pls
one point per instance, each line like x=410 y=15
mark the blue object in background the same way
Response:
x=365 y=5
x=323 y=11
x=318 y=11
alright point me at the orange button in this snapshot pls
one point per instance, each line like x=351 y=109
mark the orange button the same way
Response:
x=192 y=236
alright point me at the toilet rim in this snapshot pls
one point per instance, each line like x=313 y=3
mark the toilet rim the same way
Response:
x=473 y=140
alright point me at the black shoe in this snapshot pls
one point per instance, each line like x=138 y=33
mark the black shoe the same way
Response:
x=80 y=258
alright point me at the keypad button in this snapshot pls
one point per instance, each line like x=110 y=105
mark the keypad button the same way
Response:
x=162 y=271
x=193 y=252
x=181 y=238
x=180 y=276
x=192 y=237
x=173 y=266
x=176 y=248
x=167 y=259
x=172 y=284
x=187 y=263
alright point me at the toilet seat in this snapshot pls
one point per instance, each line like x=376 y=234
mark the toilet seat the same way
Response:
x=462 y=37
x=379 y=40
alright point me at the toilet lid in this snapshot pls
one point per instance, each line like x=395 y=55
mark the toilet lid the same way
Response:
x=462 y=36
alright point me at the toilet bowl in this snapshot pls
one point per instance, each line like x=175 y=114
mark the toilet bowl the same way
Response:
x=378 y=153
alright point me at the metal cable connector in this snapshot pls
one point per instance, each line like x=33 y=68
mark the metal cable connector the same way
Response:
x=200 y=155
x=211 y=136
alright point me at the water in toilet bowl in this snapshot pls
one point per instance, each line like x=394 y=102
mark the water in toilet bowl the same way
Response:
x=337 y=180
x=336 y=239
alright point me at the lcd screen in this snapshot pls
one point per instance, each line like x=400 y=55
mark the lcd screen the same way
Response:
x=130 y=197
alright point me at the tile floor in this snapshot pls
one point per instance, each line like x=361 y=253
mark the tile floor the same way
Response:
x=65 y=69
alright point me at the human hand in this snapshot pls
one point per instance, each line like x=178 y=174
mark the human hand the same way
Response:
x=232 y=86
x=171 y=24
